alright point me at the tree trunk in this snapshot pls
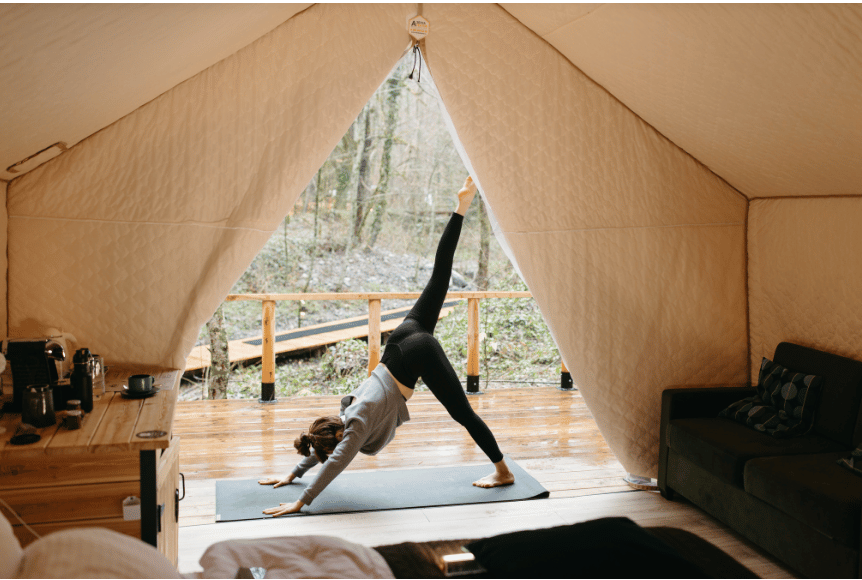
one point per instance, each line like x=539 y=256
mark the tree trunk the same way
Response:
x=285 y=246
x=362 y=189
x=343 y=169
x=315 y=243
x=393 y=90
x=219 y=373
x=484 y=246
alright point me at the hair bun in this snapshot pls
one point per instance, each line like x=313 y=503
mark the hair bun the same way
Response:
x=303 y=444
x=323 y=436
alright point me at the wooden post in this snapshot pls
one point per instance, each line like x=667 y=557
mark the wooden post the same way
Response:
x=473 y=346
x=373 y=334
x=566 y=383
x=267 y=380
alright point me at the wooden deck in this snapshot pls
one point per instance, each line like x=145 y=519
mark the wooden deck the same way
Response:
x=549 y=432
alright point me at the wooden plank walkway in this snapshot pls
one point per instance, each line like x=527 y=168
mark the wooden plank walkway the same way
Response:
x=549 y=432
x=305 y=338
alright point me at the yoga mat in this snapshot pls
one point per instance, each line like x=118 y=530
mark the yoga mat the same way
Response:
x=375 y=490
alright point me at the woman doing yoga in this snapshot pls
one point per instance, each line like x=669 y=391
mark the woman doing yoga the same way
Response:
x=371 y=413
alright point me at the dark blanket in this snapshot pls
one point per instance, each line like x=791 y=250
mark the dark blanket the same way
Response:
x=604 y=548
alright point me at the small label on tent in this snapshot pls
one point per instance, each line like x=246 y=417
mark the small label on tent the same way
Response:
x=418 y=27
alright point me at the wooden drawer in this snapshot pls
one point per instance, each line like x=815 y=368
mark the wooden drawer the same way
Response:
x=71 y=503
x=63 y=470
x=53 y=493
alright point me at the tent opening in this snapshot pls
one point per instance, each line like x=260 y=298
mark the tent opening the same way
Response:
x=369 y=221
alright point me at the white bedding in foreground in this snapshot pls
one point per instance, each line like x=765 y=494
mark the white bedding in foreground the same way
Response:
x=102 y=553
x=294 y=557
x=91 y=553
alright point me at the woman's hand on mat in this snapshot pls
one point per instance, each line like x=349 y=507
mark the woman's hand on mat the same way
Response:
x=465 y=196
x=276 y=482
x=284 y=509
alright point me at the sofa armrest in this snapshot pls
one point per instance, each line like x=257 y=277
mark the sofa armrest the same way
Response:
x=690 y=402
x=686 y=403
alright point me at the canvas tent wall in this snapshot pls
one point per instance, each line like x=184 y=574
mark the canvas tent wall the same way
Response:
x=676 y=199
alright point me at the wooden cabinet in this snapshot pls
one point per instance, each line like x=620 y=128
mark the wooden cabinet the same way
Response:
x=80 y=478
x=167 y=497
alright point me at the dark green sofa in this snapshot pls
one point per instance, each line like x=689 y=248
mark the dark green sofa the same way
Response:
x=786 y=495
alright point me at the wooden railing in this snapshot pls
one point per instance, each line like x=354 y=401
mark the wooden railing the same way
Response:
x=374 y=336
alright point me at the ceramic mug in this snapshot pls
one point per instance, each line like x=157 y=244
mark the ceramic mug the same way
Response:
x=141 y=383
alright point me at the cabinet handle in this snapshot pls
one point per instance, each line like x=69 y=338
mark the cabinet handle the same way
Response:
x=178 y=499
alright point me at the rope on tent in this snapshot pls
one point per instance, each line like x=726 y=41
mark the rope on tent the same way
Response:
x=417 y=54
x=417 y=27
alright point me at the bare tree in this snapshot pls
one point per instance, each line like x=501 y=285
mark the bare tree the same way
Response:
x=342 y=158
x=393 y=90
x=362 y=188
x=219 y=371
x=314 y=186
x=484 y=247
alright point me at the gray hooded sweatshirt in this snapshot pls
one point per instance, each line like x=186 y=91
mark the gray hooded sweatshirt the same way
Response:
x=371 y=414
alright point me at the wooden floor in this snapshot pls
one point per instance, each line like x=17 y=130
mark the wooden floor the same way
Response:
x=550 y=433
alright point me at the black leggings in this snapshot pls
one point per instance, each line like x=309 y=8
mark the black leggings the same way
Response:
x=413 y=352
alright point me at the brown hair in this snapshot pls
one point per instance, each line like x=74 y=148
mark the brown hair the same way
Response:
x=323 y=435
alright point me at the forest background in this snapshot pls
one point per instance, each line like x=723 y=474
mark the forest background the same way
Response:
x=369 y=221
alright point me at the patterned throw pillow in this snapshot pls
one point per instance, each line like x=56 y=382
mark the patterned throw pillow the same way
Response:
x=784 y=405
x=854 y=462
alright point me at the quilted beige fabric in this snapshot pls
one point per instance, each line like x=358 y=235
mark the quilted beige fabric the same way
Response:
x=765 y=95
x=634 y=251
x=70 y=69
x=805 y=275
x=131 y=239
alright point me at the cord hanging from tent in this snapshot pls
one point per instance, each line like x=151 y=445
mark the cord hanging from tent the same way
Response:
x=417 y=55
x=418 y=28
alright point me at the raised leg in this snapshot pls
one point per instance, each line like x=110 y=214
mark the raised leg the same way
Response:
x=426 y=311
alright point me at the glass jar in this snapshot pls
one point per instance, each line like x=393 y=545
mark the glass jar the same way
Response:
x=37 y=408
x=98 y=374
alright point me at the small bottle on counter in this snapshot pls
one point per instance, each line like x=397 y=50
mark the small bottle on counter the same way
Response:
x=73 y=419
x=62 y=393
x=82 y=378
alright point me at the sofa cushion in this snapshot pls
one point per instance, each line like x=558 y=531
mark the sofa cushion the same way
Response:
x=722 y=447
x=814 y=489
x=839 y=413
x=784 y=405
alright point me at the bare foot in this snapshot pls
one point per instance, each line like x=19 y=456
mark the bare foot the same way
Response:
x=496 y=479
x=466 y=195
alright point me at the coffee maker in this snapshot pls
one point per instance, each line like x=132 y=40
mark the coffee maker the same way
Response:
x=34 y=361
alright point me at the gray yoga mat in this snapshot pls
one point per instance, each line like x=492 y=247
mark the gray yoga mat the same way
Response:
x=375 y=490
